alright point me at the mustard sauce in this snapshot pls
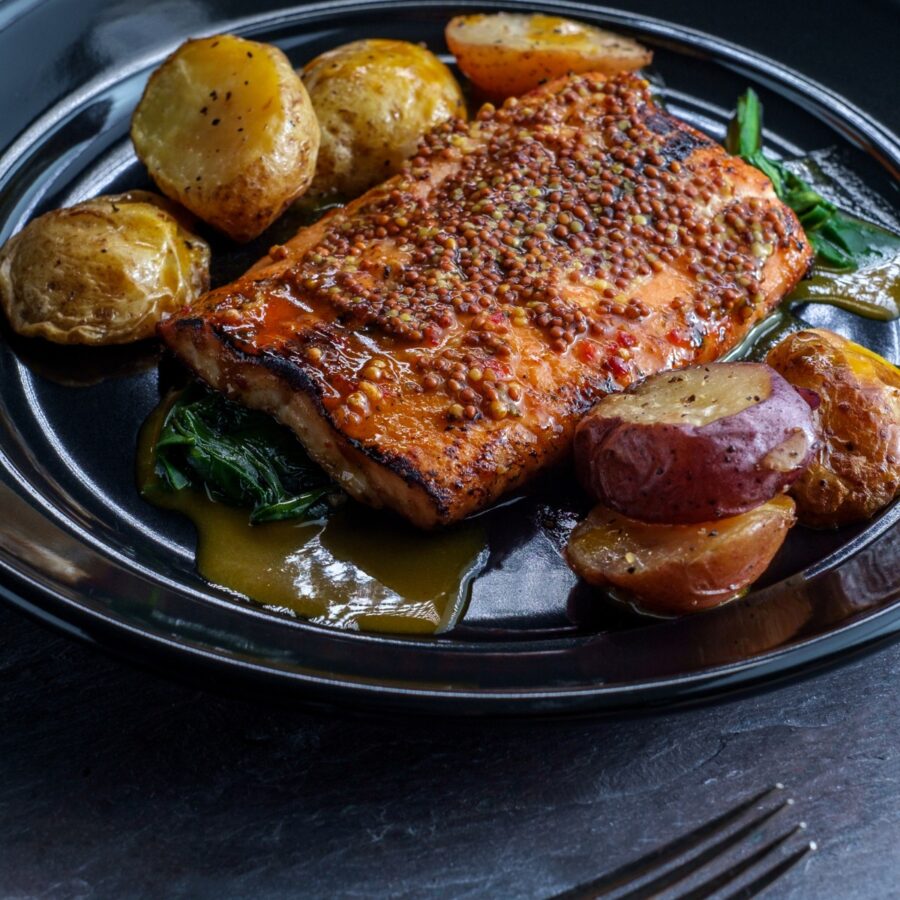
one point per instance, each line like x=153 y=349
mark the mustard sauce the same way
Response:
x=359 y=569
x=764 y=335
x=870 y=291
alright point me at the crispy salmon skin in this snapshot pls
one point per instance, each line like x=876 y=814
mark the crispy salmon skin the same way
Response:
x=434 y=343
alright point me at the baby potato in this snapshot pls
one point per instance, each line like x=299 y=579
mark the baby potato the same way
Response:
x=676 y=569
x=374 y=100
x=856 y=470
x=226 y=128
x=101 y=272
x=694 y=445
x=507 y=54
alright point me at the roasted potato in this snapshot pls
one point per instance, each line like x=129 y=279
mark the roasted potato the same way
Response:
x=675 y=569
x=856 y=470
x=226 y=128
x=102 y=272
x=697 y=444
x=374 y=100
x=507 y=54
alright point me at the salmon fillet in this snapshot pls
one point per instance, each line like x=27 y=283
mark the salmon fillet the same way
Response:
x=434 y=343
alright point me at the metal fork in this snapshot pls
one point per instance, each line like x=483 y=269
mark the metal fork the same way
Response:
x=649 y=875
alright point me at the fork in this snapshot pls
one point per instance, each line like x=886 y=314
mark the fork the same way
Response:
x=630 y=878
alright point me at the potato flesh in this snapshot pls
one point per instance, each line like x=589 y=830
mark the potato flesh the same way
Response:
x=674 y=569
x=506 y=54
x=856 y=470
x=102 y=272
x=696 y=396
x=374 y=100
x=226 y=128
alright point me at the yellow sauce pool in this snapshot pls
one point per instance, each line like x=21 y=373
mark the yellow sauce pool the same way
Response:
x=870 y=291
x=360 y=569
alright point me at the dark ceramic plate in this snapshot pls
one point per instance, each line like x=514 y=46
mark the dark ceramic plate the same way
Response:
x=82 y=550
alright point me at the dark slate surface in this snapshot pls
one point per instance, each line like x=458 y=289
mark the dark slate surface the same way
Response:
x=116 y=783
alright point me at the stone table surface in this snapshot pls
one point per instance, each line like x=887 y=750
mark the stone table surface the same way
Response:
x=117 y=783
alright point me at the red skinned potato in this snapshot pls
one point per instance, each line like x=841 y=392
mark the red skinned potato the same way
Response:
x=695 y=445
x=676 y=569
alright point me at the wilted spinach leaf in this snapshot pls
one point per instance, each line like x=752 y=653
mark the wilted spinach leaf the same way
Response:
x=841 y=241
x=239 y=456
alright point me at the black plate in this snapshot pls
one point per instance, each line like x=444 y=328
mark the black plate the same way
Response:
x=83 y=551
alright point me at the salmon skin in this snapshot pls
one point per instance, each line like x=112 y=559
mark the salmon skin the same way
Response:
x=435 y=342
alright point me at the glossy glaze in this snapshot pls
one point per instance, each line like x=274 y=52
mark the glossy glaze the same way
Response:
x=871 y=291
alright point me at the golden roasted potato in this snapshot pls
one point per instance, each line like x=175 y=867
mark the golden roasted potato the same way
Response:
x=675 y=569
x=857 y=468
x=374 y=100
x=102 y=272
x=507 y=54
x=226 y=128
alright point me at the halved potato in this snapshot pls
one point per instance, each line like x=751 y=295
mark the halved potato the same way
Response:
x=374 y=100
x=675 y=569
x=226 y=128
x=102 y=272
x=697 y=444
x=856 y=470
x=507 y=54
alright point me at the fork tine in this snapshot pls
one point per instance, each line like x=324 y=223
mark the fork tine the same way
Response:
x=660 y=856
x=758 y=885
x=695 y=863
x=712 y=885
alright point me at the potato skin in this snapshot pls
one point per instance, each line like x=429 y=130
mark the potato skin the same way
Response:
x=677 y=569
x=374 y=100
x=226 y=128
x=689 y=456
x=856 y=470
x=104 y=271
x=509 y=54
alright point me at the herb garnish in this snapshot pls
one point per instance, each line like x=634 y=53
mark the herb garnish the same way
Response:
x=841 y=241
x=239 y=456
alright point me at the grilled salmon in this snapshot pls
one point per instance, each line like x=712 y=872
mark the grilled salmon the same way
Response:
x=434 y=343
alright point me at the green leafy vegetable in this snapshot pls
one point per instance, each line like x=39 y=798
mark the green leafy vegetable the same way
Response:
x=841 y=241
x=239 y=456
